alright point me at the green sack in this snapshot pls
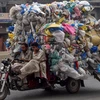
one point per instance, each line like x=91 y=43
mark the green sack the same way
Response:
x=54 y=58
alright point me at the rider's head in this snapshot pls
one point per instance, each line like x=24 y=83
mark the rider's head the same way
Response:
x=35 y=47
x=24 y=47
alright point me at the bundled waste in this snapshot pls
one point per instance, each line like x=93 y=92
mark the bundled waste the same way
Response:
x=65 y=30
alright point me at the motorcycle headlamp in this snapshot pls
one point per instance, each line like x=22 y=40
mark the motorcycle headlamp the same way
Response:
x=1 y=66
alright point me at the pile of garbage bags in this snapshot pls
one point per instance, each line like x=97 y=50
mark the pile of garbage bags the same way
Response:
x=63 y=29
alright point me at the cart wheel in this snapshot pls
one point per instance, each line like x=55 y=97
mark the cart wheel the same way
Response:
x=72 y=85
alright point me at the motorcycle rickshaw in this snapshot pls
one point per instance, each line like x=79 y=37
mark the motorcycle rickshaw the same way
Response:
x=8 y=82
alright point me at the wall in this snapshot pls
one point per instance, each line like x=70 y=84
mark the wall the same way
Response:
x=1 y=45
x=4 y=23
x=4 y=15
x=95 y=13
x=2 y=40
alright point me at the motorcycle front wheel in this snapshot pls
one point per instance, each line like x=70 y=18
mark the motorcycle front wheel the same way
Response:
x=3 y=94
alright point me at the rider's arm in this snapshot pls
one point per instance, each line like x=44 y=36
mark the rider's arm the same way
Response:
x=28 y=57
x=24 y=60
x=40 y=56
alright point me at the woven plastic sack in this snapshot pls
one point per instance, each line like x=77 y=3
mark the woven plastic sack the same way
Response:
x=68 y=41
x=84 y=3
x=13 y=11
x=71 y=72
x=90 y=45
x=59 y=36
x=69 y=57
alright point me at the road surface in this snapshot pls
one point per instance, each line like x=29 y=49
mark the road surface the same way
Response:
x=4 y=54
x=90 y=92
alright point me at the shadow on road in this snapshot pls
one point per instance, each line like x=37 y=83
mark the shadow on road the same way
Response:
x=58 y=94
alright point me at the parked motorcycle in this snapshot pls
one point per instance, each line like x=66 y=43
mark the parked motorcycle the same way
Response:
x=9 y=81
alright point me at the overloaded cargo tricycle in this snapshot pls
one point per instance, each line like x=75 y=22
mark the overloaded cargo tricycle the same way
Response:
x=9 y=82
x=67 y=23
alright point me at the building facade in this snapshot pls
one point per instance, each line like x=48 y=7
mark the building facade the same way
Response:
x=4 y=23
x=96 y=4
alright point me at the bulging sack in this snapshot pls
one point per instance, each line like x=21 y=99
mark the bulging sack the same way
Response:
x=68 y=28
x=59 y=35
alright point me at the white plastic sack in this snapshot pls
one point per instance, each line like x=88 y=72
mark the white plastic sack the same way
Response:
x=84 y=3
x=36 y=8
x=90 y=45
x=19 y=16
x=19 y=22
x=67 y=41
x=68 y=57
x=14 y=10
x=43 y=20
x=71 y=72
x=63 y=66
x=59 y=35
x=91 y=60
x=89 y=54
x=87 y=8
x=18 y=29
x=25 y=19
x=82 y=33
x=74 y=74
x=16 y=48
x=82 y=72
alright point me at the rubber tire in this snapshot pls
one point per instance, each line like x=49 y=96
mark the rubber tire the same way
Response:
x=4 y=94
x=70 y=82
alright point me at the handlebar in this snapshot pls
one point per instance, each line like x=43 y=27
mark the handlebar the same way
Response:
x=5 y=62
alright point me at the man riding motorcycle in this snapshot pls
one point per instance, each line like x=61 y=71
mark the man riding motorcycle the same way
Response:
x=24 y=56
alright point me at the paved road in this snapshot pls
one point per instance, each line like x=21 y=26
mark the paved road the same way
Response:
x=90 y=92
x=4 y=55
